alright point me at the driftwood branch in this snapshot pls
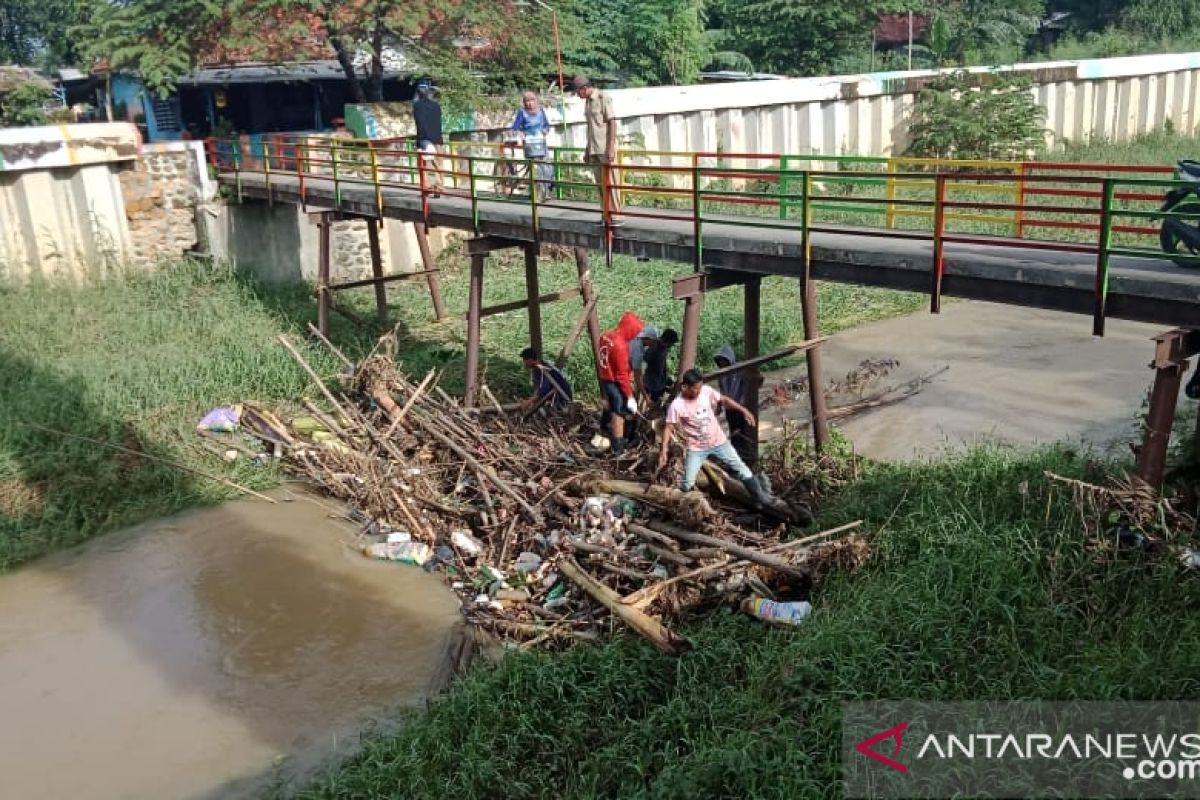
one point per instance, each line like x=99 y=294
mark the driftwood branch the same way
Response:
x=658 y=635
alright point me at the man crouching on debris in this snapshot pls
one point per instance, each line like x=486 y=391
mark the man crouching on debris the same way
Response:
x=616 y=376
x=694 y=410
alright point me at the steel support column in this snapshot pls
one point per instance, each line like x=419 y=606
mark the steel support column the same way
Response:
x=816 y=377
x=474 y=306
x=323 y=293
x=692 y=306
x=381 y=307
x=532 y=302
x=585 y=286
x=1152 y=458
x=430 y=267
x=751 y=333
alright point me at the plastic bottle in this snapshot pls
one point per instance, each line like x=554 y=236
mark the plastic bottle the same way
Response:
x=777 y=613
x=416 y=553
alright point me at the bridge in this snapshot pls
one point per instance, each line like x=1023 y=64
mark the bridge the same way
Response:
x=1081 y=239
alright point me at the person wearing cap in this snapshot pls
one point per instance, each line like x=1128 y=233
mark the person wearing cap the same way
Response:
x=601 y=149
x=548 y=382
x=427 y=114
x=655 y=352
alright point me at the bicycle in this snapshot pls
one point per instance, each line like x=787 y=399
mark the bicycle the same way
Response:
x=512 y=173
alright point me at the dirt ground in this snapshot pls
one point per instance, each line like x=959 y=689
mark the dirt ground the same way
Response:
x=1015 y=376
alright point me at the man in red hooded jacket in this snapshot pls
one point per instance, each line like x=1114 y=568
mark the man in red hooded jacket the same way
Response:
x=616 y=376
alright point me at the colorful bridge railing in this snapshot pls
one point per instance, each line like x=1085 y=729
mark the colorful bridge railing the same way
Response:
x=1095 y=210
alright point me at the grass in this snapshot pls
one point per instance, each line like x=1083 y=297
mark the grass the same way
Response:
x=136 y=363
x=982 y=587
x=133 y=364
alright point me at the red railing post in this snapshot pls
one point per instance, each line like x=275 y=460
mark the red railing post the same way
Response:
x=939 y=244
x=421 y=183
x=606 y=211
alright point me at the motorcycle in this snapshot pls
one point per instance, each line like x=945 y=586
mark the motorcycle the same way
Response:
x=1178 y=235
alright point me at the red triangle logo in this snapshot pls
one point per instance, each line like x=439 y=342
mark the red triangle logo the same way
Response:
x=896 y=733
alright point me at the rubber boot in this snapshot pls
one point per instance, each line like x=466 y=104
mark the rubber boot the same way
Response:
x=618 y=447
x=1192 y=389
x=756 y=492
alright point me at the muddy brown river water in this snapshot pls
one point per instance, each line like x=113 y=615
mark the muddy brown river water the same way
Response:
x=198 y=655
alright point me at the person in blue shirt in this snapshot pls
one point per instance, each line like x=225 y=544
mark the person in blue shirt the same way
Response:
x=534 y=126
x=547 y=380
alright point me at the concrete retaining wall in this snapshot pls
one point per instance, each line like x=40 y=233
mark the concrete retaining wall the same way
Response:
x=1114 y=98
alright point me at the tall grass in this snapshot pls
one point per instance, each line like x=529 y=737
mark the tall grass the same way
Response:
x=982 y=587
x=133 y=364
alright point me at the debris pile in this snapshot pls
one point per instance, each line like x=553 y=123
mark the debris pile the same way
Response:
x=545 y=540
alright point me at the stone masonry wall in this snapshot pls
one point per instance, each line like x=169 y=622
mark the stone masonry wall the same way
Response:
x=162 y=193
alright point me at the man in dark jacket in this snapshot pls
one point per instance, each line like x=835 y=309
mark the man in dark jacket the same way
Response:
x=427 y=114
x=549 y=384
x=733 y=384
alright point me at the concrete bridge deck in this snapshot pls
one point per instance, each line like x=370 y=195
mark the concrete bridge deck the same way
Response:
x=1144 y=290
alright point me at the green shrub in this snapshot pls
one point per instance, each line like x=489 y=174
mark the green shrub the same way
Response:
x=989 y=116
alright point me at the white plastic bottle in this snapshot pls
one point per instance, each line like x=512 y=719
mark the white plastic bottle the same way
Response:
x=777 y=613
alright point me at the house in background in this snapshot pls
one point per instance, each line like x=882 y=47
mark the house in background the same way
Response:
x=247 y=98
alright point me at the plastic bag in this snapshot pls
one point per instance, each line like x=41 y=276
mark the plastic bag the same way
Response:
x=221 y=420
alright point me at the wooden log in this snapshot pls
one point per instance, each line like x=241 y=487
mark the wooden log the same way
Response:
x=654 y=631
x=304 y=365
x=745 y=553
x=646 y=595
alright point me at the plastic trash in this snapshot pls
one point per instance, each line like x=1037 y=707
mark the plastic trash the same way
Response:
x=1190 y=559
x=527 y=562
x=777 y=613
x=221 y=420
x=398 y=537
x=513 y=595
x=415 y=553
x=464 y=541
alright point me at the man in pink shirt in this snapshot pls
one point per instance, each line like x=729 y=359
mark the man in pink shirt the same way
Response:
x=694 y=413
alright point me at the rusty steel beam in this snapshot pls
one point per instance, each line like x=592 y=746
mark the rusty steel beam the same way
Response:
x=816 y=377
x=1152 y=457
x=430 y=270
x=402 y=276
x=1171 y=352
x=483 y=245
x=323 y=293
x=381 y=307
x=474 y=306
x=752 y=335
x=692 y=306
x=1175 y=347
x=532 y=301
x=589 y=301
x=710 y=281
x=515 y=305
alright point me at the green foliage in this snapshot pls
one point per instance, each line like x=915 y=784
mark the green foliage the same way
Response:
x=157 y=39
x=803 y=37
x=22 y=102
x=644 y=41
x=983 y=586
x=954 y=117
x=1161 y=19
x=36 y=32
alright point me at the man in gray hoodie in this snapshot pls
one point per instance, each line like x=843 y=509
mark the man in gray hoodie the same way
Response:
x=733 y=384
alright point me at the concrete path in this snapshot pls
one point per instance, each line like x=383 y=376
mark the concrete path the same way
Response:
x=1017 y=376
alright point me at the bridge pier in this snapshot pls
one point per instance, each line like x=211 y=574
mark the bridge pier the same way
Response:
x=1171 y=353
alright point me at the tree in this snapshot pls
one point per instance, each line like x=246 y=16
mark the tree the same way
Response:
x=36 y=32
x=446 y=39
x=23 y=96
x=801 y=37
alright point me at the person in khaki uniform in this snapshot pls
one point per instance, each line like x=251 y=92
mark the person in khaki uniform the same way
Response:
x=601 y=134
